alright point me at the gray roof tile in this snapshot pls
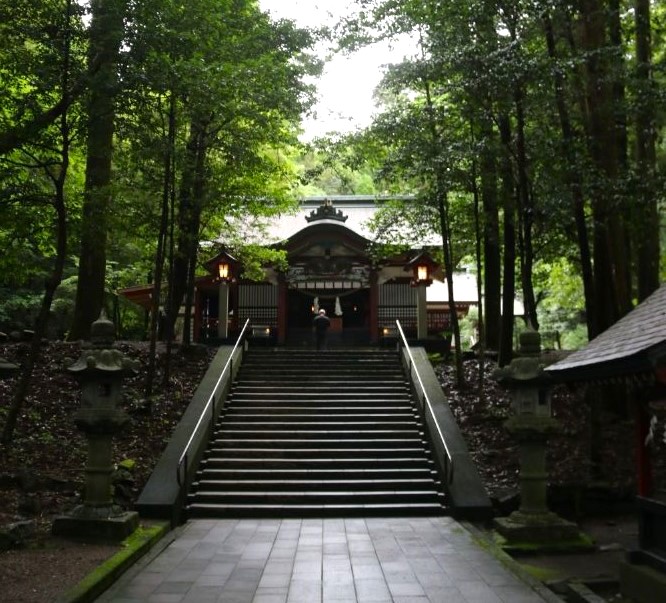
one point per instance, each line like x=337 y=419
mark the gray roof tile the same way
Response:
x=629 y=345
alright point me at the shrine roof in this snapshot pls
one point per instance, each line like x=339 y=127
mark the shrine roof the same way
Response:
x=635 y=344
x=358 y=210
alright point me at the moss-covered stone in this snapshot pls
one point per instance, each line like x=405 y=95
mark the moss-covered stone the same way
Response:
x=580 y=542
x=542 y=574
x=133 y=548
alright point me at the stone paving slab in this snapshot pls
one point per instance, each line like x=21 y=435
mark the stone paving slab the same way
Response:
x=377 y=560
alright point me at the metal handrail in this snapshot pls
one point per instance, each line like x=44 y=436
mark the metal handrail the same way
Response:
x=182 y=461
x=428 y=404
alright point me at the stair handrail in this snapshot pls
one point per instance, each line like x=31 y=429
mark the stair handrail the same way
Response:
x=210 y=403
x=448 y=469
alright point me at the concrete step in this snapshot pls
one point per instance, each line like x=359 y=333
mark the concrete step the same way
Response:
x=305 y=389
x=319 y=444
x=321 y=497
x=202 y=511
x=277 y=435
x=397 y=474
x=319 y=401
x=313 y=485
x=309 y=422
x=296 y=449
x=390 y=462
x=309 y=411
x=286 y=380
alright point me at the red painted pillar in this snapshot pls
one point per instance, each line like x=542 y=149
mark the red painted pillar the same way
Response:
x=643 y=461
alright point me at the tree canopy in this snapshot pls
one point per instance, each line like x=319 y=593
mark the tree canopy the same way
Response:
x=540 y=124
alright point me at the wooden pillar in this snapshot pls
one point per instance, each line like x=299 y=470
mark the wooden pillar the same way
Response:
x=643 y=461
x=223 y=311
x=282 y=310
x=421 y=312
x=374 y=307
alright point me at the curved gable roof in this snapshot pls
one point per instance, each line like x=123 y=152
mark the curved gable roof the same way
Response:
x=317 y=231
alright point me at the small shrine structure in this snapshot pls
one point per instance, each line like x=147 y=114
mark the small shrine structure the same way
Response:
x=632 y=353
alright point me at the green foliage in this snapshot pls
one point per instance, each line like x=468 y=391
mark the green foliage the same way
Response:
x=232 y=82
x=225 y=64
x=333 y=166
x=562 y=305
x=469 y=328
x=481 y=64
x=33 y=36
x=18 y=309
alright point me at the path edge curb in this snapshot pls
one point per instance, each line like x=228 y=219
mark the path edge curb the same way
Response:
x=104 y=575
x=482 y=536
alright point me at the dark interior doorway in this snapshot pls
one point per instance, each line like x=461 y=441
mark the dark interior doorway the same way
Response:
x=350 y=328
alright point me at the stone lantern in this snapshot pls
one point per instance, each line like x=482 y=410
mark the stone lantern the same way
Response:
x=531 y=425
x=99 y=371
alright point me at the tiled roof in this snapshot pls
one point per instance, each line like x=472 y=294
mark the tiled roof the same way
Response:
x=632 y=345
x=359 y=209
x=358 y=212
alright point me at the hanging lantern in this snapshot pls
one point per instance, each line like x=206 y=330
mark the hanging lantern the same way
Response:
x=422 y=271
x=224 y=272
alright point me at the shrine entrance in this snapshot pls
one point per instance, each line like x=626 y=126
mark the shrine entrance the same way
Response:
x=348 y=310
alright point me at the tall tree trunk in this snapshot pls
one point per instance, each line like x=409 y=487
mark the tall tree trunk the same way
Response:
x=607 y=236
x=445 y=227
x=479 y=289
x=441 y=194
x=492 y=274
x=168 y=325
x=189 y=299
x=189 y=216
x=647 y=227
x=198 y=194
x=573 y=179
x=526 y=214
x=618 y=77
x=623 y=206
x=509 y=283
x=106 y=32
x=161 y=246
x=55 y=278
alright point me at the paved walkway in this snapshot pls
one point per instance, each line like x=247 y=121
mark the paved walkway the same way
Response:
x=396 y=560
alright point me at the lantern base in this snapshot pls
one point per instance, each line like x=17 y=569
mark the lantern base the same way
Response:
x=96 y=529
x=543 y=532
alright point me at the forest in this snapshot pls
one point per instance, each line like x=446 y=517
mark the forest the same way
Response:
x=529 y=133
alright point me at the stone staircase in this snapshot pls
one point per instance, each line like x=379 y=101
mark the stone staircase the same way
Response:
x=306 y=434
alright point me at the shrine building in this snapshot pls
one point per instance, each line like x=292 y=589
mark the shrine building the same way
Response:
x=327 y=244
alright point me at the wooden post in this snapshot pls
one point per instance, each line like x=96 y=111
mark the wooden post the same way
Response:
x=421 y=313
x=374 y=308
x=223 y=311
x=282 y=310
x=643 y=461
